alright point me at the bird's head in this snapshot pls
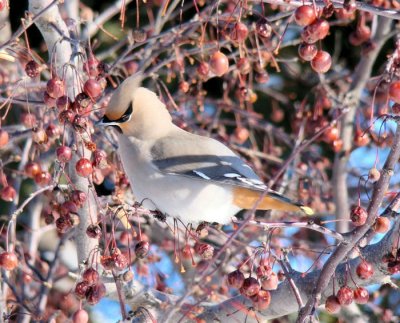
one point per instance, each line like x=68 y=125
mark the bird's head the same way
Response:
x=136 y=111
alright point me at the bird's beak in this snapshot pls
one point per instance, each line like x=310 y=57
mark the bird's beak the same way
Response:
x=105 y=122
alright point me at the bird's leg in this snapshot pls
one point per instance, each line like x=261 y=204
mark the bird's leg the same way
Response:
x=159 y=215
x=202 y=229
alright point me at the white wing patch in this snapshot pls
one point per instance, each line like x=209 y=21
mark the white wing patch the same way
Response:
x=232 y=175
x=252 y=182
x=248 y=181
x=200 y=174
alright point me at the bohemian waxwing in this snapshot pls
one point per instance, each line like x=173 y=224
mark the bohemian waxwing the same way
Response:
x=178 y=173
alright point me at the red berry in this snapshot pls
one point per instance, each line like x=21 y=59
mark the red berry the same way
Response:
x=381 y=224
x=84 y=167
x=235 y=279
x=43 y=178
x=318 y=30
x=142 y=249
x=3 y=4
x=219 y=63
x=184 y=86
x=361 y=295
x=8 y=193
x=90 y=275
x=345 y=295
x=4 y=137
x=304 y=15
x=332 y=304
x=331 y=134
x=261 y=300
x=92 y=88
x=322 y=62
x=337 y=145
x=394 y=91
x=239 y=32
x=364 y=270
x=8 y=260
x=32 y=169
x=307 y=51
x=55 y=87
x=250 y=287
x=360 y=139
x=66 y=116
x=358 y=215
x=80 y=316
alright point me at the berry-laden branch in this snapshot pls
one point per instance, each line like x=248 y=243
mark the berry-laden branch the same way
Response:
x=360 y=5
x=282 y=300
x=359 y=80
x=343 y=250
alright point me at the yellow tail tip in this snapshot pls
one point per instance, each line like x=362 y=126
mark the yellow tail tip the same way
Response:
x=307 y=210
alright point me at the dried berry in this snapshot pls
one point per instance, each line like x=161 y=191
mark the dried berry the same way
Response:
x=32 y=69
x=358 y=215
x=332 y=304
x=142 y=249
x=250 y=287
x=235 y=279
x=81 y=289
x=90 y=275
x=93 y=231
x=204 y=250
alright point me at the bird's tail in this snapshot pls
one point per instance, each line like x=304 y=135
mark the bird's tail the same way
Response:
x=246 y=199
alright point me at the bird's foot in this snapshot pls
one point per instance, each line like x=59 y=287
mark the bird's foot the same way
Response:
x=159 y=215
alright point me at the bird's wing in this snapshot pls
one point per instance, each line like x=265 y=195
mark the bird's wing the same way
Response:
x=206 y=159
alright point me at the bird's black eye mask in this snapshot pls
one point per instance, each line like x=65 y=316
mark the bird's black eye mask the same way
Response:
x=124 y=118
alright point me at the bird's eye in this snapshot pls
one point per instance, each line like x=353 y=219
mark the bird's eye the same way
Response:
x=126 y=116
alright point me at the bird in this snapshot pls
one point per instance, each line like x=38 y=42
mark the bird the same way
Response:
x=183 y=175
